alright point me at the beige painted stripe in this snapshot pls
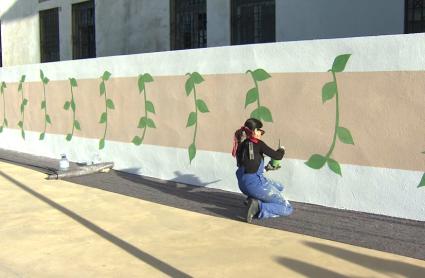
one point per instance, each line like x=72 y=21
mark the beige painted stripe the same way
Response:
x=383 y=110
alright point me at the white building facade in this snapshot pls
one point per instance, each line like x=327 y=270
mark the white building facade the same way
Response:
x=56 y=30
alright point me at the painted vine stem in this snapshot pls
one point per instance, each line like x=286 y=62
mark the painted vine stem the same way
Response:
x=194 y=79
x=422 y=182
x=109 y=104
x=5 y=123
x=47 y=119
x=253 y=95
x=71 y=104
x=329 y=91
x=144 y=122
x=24 y=102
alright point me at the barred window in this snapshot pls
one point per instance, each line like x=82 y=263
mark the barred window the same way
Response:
x=49 y=35
x=414 y=16
x=253 y=21
x=188 y=24
x=83 y=30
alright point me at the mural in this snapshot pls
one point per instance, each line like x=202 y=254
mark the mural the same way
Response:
x=4 y=123
x=261 y=113
x=24 y=102
x=71 y=104
x=109 y=104
x=422 y=182
x=47 y=119
x=329 y=91
x=144 y=122
x=193 y=80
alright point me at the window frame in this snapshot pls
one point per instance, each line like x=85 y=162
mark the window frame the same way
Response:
x=198 y=35
x=234 y=21
x=49 y=38
x=78 y=46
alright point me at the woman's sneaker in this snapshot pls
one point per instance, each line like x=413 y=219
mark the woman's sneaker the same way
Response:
x=253 y=209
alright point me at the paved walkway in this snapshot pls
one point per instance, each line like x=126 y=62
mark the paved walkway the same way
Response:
x=61 y=229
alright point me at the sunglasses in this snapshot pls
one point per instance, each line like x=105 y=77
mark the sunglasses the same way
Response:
x=260 y=130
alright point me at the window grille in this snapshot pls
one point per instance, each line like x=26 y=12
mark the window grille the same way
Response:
x=49 y=35
x=188 y=24
x=414 y=16
x=83 y=30
x=253 y=21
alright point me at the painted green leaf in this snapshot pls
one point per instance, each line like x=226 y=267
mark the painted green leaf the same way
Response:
x=340 y=62
x=103 y=118
x=147 y=77
x=68 y=137
x=137 y=140
x=256 y=114
x=142 y=122
x=150 y=123
x=77 y=125
x=42 y=136
x=141 y=84
x=189 y=86
x=41 y=75
x=265 y=114
x=25 y=102
x=1 y=129
x=66 y=105
x=334 y=166
x=191 y=120
x=344 y=135
x=251 y=96
x=48 y=119
x=260 y=75
x=3 y=85
x=43 y=104
x=20 y=87
x=202 y=106
x=110 y=104
x=5 y=122
x=197 y=78
x=316 y=161
x=73 y=105
x=73 y=82
x=106 y=75
x=422 y=183
x=20 y=124
x=22 y=78
x=150 y=107
x=192 y=152
x=101 y=143
x=423 y=152
x=22 y=107
x=23 y=134
x=328 y=91
x=102 y=88
x=46 y=80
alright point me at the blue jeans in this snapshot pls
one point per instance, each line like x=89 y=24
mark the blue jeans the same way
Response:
x=268 y=192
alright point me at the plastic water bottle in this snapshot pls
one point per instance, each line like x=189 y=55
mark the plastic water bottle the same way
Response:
x=63 y=162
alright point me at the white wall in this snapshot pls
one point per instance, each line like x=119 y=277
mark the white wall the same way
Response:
x=218 y=23
x=323 y=19
x=132 y=26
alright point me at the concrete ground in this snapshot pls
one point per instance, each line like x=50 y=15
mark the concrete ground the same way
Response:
x=60 y=229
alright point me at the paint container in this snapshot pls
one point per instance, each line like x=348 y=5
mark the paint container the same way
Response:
x=63 y=162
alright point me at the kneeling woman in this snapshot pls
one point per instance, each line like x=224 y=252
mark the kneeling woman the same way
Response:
x=265 y=197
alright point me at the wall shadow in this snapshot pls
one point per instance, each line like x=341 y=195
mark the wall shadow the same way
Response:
x=307 y=269
x=209 y=201
x=378 y=264
x=127 y=247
